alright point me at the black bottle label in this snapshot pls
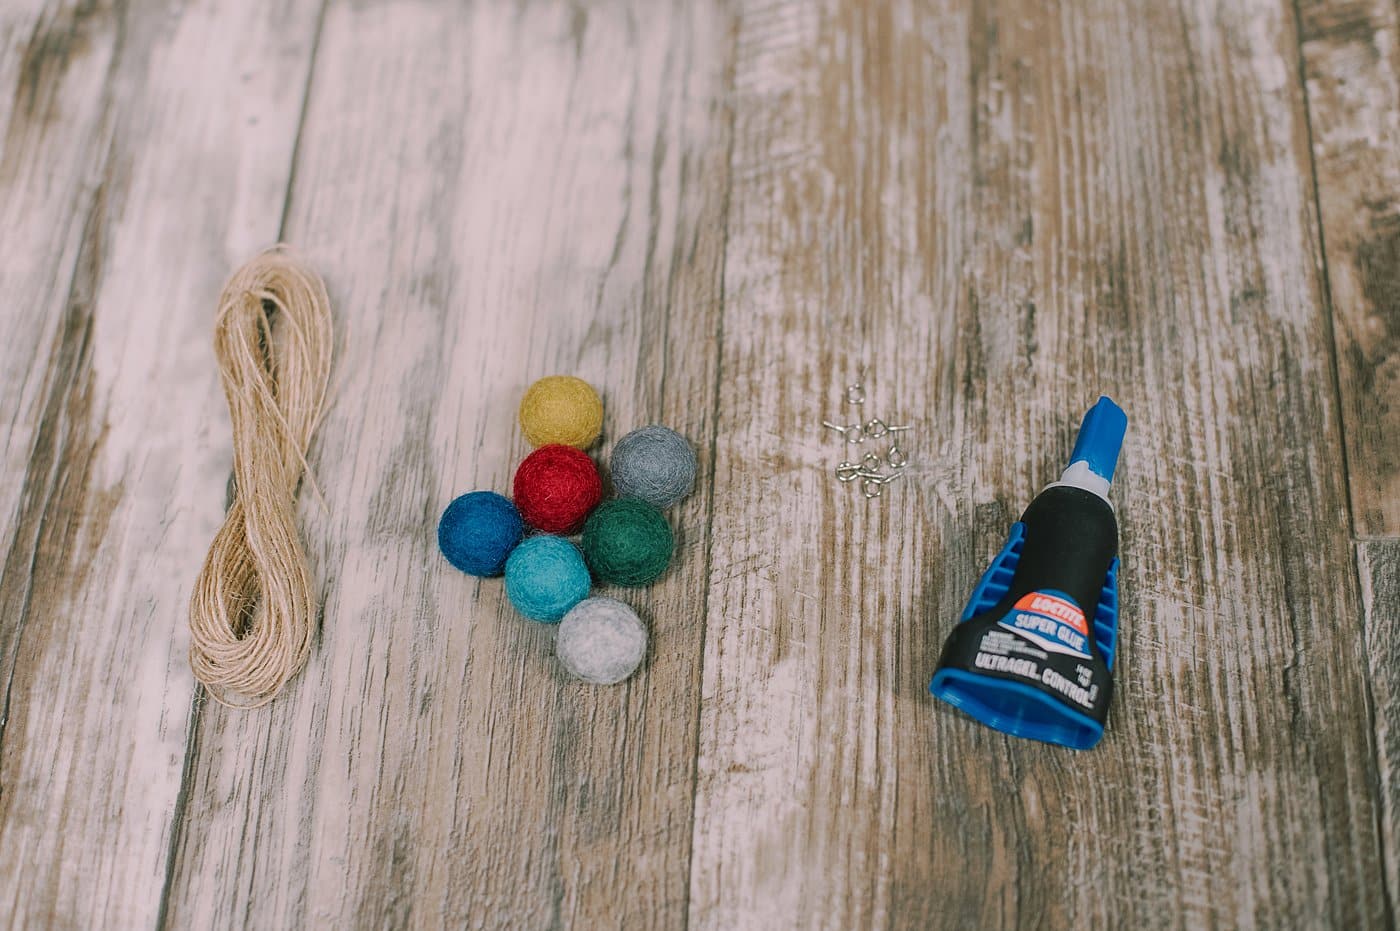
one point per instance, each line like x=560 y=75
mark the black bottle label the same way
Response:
x=1043 y=621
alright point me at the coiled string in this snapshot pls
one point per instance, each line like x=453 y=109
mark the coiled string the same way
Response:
x=252 y=611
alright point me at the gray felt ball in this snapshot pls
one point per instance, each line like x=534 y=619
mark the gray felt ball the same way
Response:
x=655 y=464
x=601 y=640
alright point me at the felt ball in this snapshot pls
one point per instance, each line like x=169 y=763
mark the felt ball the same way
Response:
x=555 y=488
x=561 y=409
x=545 y=577
x=655 y=464
x=478 y=531
x=601 y=640
x=627 y=542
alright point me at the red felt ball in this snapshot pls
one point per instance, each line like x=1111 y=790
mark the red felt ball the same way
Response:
x=556 y=487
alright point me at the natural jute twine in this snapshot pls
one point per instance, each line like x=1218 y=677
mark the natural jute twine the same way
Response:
x=252 y=612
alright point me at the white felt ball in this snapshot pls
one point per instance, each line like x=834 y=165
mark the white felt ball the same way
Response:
x=601 y=640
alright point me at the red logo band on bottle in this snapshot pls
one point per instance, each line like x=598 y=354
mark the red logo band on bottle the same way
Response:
x=1051 y=621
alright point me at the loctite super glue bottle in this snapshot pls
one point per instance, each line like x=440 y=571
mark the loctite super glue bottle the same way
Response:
x=1033 y=652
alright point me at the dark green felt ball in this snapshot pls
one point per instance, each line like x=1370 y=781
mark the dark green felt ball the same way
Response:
x=627 y=542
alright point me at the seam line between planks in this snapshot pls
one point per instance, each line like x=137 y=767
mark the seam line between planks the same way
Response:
x=727 y=101
x=1330 y=335
x=312 y=58
x=1330 y=331
x=182 y=798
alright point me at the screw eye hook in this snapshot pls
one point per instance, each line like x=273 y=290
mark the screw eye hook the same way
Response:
x=873 y=471
x=855 y=393
x=848 y=472
x=874 y=429
x=852 y=433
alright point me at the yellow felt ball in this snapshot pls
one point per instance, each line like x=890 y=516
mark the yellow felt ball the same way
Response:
x=561 y=409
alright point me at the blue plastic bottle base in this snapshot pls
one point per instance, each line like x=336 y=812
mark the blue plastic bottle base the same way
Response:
x=1018 y=708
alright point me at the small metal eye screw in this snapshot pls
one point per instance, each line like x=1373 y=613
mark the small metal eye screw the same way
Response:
x=852 y=433
x=848 y=472
x=855 y=393
x=877 y=428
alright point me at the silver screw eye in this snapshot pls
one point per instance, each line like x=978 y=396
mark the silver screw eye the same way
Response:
x=855 y=393
x=848 y=472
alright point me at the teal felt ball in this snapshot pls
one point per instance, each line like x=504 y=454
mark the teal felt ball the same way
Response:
x=478 y=531
x=627 y=542
x=545 y=577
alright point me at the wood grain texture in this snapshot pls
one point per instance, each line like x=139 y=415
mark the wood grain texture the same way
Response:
x=1351 y=61
x=1005 y=209
x=716 y=213
x=54 y=65
x=123 y=119
x=493 y=196
x=1379 y=564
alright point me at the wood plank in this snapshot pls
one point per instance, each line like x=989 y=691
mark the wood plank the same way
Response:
x=147 y=153
x=1004 y=209
x=55 y=60
x=54 y=64
x=1351 y=60
x=1378 y=562
x=493 y=193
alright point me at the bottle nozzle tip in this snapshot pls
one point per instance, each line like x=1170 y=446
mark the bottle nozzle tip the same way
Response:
x=1100 y=438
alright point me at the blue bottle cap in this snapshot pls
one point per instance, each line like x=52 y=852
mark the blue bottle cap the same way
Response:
x=1100 y=438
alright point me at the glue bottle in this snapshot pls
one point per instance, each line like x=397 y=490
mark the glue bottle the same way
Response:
x=1033 y=652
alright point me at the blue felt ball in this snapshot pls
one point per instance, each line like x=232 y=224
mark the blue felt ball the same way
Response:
x=545 y=577
x=478 y=531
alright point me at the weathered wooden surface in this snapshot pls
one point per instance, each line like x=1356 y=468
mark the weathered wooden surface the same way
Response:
x=1379 y=565
x=1006 y=211
x=716 y=213
x=1351 y=57
x=433 y=763
x=146 y=150
x=1351 y=67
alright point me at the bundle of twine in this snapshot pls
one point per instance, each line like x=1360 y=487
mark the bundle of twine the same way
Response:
x=252 y=612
